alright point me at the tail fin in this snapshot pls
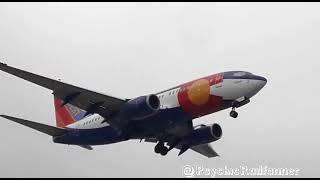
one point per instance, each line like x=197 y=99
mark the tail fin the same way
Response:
x=66 y=114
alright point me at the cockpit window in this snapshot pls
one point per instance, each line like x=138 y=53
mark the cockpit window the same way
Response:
x=241 y=73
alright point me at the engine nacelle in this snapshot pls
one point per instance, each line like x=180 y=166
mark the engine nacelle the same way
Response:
x=203 y=135
x=142 y=107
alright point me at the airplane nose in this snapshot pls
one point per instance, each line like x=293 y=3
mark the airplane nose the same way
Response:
x=256 y=84
x=260 y=83
x=264 y=79
x=260 y=78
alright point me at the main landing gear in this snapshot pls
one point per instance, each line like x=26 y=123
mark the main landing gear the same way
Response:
x=233 y=113
x=160 y=148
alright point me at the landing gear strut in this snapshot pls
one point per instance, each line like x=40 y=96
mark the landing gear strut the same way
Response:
x=233 y=113
x=160 y=148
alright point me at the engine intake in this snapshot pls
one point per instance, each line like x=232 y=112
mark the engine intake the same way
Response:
x=216 y=131
x=203 y=135
x=142 y=107
x=153 y=101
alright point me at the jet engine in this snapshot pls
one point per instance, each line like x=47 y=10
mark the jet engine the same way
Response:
x=142 y=107
x=203 y=135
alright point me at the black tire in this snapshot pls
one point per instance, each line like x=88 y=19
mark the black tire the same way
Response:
x=164 y=151
x=158 y=148
x=234 y=114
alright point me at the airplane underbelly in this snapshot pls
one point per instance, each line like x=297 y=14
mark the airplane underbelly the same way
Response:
x=106 y=135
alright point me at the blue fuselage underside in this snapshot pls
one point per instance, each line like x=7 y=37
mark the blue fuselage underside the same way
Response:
x=165 y=119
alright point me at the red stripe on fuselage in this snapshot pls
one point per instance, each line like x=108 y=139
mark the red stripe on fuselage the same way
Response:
x=195 y=97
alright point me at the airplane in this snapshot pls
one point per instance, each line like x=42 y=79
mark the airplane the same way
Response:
x=87 y=118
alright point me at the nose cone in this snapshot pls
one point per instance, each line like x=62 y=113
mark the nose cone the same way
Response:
x=255 y=77
x=258 y=83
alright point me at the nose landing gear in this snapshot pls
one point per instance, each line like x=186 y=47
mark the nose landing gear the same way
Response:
x=233 y=113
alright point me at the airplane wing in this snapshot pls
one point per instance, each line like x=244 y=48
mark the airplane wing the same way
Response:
x=205 y=149
x=179 y=132
x=92 y=102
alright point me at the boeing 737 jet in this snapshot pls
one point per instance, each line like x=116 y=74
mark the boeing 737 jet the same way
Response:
x=86 y=118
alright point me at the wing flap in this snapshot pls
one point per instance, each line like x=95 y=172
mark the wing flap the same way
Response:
x=50 y=130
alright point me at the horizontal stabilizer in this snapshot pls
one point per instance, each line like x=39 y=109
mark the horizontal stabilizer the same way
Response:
x=50 y=130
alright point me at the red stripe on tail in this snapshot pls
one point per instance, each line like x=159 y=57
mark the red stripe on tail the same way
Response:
x=63 y=116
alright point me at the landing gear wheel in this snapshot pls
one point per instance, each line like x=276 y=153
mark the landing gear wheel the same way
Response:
x=158 y=148
x=233 y=114
x=164 y=151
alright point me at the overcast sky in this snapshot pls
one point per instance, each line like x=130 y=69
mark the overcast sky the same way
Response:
x=132 y=49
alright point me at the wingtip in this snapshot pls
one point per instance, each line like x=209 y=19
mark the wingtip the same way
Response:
x=4 y=116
